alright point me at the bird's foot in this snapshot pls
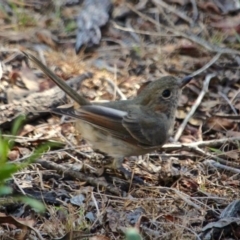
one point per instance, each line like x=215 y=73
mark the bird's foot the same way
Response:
x=116 y=165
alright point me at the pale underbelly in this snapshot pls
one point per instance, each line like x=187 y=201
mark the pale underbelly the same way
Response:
x=103 y=141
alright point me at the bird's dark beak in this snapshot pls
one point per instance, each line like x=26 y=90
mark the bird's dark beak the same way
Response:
x=185 y=81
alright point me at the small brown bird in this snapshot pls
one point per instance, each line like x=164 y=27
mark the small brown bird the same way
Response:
x=127 y=127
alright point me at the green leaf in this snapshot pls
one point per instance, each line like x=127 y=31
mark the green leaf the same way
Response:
x=4 y=149
x=7 y=170
x=4 y=190
x=17 y=124
x=40 y=151
x=37 y=205
x=215 y=150
x=132 y=234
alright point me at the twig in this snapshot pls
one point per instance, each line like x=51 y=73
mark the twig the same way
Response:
x=19 y=187
x=195 y=106
x=183 y=196
x=195 y=10
x=188 y=35
x=180 y=14
x=206 y=66
x=195 y=147
x=217 y=159
x=157 y=34
x=96 y=204
x=231 y=117
x=186 y=199
x=206 y=44
x=116 y=88
x=132 y=33
x=94 y=181
x=209 y=143
x=215 y=164
x=228 y=101
x=235 y=95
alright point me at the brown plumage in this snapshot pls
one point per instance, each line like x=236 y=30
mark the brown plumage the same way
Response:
x=127 y=127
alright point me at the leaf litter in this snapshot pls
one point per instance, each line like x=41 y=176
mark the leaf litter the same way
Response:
x=188 y=184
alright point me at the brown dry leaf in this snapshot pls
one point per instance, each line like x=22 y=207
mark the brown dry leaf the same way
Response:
x=16 y=93
x=27 y=128
x=218 y=124
x=170 y=218
x=189 y=184
x=234 y=183
x=209 y=6
x=26 y=78
x=14 y=36
x=188 y=48
x=45 y=36
x=232 y=154
x=181 y=114
x=169 y=48
x=208 y=105
x=29 y=78
x=187 y=139
x=229 y=25
x=237 y=105
x=114 y=218
x=13 y=155
x=196 y=121
x=16 y=222
x=192 y=130
x=232 y=134
x=13 y=76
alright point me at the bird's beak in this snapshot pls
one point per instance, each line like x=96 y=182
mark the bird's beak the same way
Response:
x=185 y=81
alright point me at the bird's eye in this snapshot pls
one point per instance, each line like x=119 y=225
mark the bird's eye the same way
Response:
x=166 y=93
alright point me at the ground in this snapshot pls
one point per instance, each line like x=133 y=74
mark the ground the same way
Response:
x=188 y=183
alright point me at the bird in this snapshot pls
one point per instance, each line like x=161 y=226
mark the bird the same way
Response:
x=124 y=128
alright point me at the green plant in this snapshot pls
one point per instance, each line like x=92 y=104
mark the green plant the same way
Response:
x=132 y=234
x=20 y=16
x=217 y=38
x=7 y=169
x=70 y=26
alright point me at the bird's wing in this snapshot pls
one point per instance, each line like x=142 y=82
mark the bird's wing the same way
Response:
x=105 y=118
x=134 y=127
x=148 y=129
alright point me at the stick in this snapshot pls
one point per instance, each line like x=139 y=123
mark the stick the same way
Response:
x=195 y=106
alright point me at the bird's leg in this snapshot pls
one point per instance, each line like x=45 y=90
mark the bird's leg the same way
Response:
x=116 y=165
x=113 y=163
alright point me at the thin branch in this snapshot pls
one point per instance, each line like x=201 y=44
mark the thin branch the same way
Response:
x=195 y=147
x=157 y=34
x=228 y=101
x=195 y=106
x=195 y=10
x=94 y=181
x=206 y=66
x=180 y=14
x=215 y=164
x=116 y=88
x=209 y=46
x=209 y=143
